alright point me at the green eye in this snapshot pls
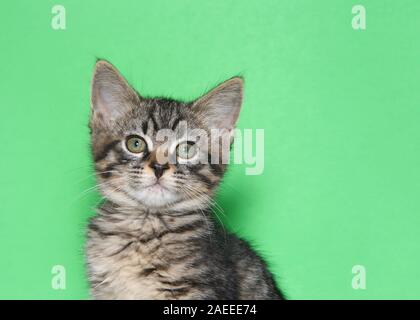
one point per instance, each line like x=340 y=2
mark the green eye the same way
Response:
x=135 y=144
x=186 y=150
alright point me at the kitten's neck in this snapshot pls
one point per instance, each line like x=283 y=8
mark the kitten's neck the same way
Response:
x=144 y=224
x=201 y=203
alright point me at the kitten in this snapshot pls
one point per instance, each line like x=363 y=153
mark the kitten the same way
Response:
x=155 y=236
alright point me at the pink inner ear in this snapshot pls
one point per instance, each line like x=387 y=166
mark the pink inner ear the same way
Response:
x=108 y=105
x=224 y=117
x=112 y=96
x=220 y=107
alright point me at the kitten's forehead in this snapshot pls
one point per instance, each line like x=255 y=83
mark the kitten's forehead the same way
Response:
x=154 y=115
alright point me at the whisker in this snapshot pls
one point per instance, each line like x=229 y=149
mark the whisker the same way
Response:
x=208 y=200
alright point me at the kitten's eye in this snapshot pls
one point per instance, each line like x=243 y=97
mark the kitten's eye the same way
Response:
x=186 y=150
x=135 y=144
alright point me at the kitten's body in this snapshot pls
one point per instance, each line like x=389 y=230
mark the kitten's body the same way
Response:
x=164 y=256
x=155 y=236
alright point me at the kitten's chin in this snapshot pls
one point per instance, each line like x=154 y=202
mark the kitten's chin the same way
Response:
x=155 y=196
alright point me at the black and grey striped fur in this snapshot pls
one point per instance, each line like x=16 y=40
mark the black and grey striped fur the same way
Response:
x=156 y=237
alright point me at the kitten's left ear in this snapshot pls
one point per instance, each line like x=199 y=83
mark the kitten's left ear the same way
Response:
x=221 y=106
x=111 y=95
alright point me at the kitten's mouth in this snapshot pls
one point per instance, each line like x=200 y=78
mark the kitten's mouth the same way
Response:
x=156 y=187
x=155 y=195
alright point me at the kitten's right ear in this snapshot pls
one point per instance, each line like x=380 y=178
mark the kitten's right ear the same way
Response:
x=111 y=95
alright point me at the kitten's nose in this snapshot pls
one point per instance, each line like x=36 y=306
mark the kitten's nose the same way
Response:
x=159 y=168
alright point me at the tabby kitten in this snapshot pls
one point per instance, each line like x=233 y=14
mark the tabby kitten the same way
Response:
x=155 y=236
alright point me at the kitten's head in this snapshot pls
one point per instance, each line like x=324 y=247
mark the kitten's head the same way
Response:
x=153 y=152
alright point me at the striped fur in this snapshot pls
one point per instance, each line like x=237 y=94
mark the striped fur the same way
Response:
x=156 y=237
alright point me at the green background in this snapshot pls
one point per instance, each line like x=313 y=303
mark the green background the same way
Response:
x=340 y=109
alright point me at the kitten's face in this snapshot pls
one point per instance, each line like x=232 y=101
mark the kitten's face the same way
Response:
x=136 y=163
